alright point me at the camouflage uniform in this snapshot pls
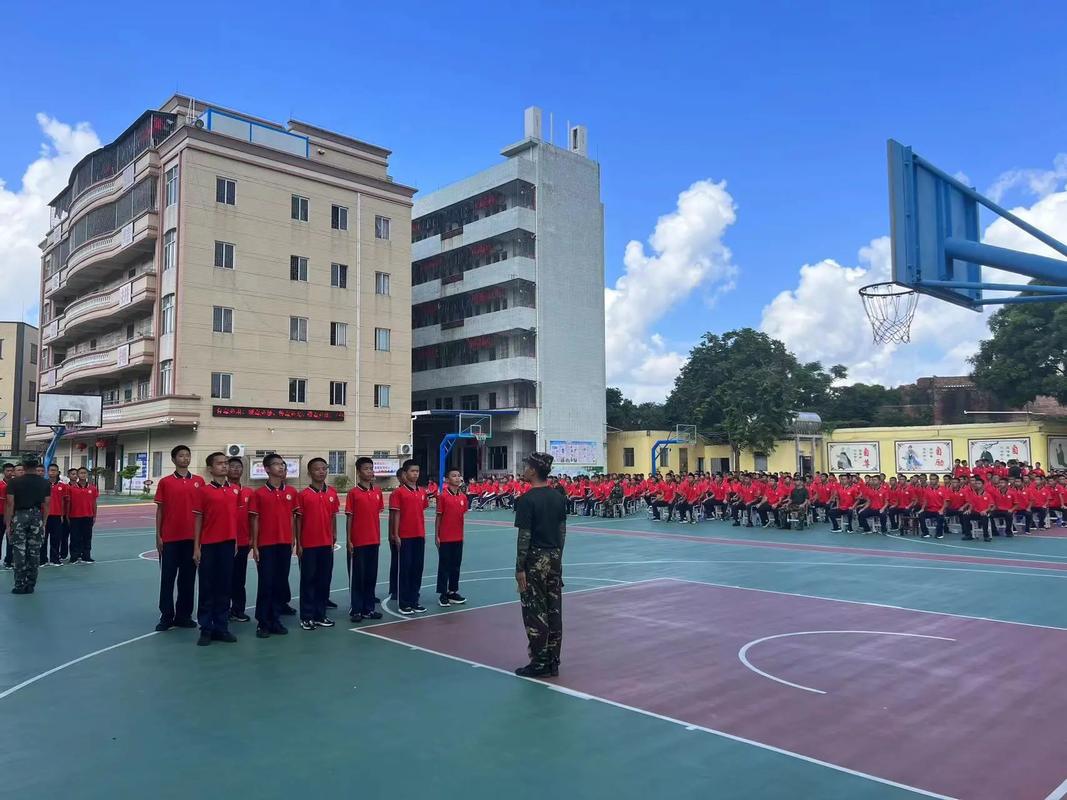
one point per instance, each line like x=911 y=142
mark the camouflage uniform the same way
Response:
x=542 y=605
x=27 y=535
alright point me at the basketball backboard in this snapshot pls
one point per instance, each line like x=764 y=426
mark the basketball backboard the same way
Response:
x=474 y=425
x=685 y=434
x=70 y=410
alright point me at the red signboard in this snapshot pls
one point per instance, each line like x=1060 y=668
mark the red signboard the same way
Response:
x=298 y=414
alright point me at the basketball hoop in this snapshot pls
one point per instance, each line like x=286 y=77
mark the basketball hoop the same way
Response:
x=890 y=309
x=481 y=438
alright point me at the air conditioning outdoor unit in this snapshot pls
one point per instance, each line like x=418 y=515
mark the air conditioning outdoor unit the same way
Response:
x=404 y=450
x=235 y=450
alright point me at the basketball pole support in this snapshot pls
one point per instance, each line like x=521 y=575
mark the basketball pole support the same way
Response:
x=447 y=443
x=50 y=453
x=663 y=443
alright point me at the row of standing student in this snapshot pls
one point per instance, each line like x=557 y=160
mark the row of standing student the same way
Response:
x=207 y=528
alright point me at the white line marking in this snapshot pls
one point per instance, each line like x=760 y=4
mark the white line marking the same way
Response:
x=686 y=725
x=742 y=654
x=1059 y=792
x=972 y=550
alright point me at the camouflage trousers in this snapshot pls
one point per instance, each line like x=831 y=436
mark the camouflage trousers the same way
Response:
x=27 y=535
x=542 y=605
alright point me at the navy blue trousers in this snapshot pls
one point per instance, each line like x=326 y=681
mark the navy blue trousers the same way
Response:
x=316 y=572
x=409 y=581
x=215 y=573
x=273 y=591
x=363 y=578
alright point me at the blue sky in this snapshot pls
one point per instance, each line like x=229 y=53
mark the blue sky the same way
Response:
x=790 y=103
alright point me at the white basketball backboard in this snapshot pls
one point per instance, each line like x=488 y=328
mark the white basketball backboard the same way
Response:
x=70 y=410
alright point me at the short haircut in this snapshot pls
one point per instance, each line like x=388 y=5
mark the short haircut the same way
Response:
x=450 y=471
x=72 y=469
x=211 y=458
x=83 y=469
x=364 y=460
x=9 y=465
x=175 y=450
x=236 y=460
x=409 y=464
x=317 y=460
x=270 y=459
x=54 y=466
x=30 y=462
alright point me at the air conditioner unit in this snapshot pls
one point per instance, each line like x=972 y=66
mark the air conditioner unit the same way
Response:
x=404 y=450
x=235 y=450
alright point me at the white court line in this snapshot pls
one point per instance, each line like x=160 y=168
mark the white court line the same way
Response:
x=976 y=549
x=644 y=712
x=742 y=654
x=1059 y=792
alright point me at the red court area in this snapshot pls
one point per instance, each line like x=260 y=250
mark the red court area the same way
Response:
x=955 y=707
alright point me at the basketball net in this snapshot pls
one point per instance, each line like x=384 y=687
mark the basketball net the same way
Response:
x=890 y=309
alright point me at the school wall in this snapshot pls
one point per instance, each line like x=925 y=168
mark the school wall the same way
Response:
x=686 y=458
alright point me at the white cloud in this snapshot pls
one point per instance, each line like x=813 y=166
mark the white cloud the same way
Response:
x=822 y=318
x=687 y=255
x=24 y=214
x=1040 y=182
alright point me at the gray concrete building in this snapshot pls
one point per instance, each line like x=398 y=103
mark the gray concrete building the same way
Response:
x=508 y=308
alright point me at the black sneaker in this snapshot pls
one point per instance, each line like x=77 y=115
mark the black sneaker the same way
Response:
x=287 y=611
x=88 y=560
x=325 y=622
x=355 y=617
x=967 y=538
x=737 y=524
x=307 y=625
x=262 y=633
x=926 y=536
x=372 y=615
x=204 y=640
x=184 y=623
x=330 y=603
x=56 y=563
x=534 y=671
x=22 y=590
x=419 y=609
x=443 y=601
x=164 y=625
x=940 y=536
x=988 y=538
x=407 y=611
x=72 y=560
x=278 y=629
x=223 y=636
x=239 y=616
x=456 y=599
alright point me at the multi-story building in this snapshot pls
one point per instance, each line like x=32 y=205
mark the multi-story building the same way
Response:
x=219 y=280
x=508 y=307
x=18 y=384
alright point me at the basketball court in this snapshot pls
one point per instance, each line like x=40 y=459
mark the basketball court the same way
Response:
x=768 y=664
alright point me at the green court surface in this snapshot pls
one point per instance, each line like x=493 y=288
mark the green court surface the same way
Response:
x=656 y=697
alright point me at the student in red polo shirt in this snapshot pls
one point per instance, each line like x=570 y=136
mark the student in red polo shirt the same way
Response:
x=931 y=503
x=174 y=541
x=55 y=529
x=272 y=512
x=843 y=499
x=214 y=542
x=407 y=530
x=316 y=533
x=83 y=496
x=451 y=509
x=977 y=504
x=363 y=504
x=235 y=470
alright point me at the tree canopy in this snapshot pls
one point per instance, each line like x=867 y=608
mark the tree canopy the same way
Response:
x=1026 y=354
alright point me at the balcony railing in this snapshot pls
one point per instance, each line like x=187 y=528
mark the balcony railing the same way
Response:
x=134 y=238
x=110 y=305
x=137 y=353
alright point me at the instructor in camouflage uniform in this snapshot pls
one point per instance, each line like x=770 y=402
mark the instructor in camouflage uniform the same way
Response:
x=25 y=511
x=541 y=517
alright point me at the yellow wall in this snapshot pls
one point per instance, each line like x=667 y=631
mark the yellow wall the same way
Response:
x=784 y=456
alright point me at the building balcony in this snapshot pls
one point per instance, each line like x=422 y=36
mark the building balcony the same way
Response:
x=98 y=259
x=514 y=268
x=145 y=165
x=514 y=218
x=137 y=355
x=156 y=412
x=510 y=319
x=522 y=368
x=102 y=309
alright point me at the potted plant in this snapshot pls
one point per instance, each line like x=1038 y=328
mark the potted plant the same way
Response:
x=341 y=483
x=128 y=473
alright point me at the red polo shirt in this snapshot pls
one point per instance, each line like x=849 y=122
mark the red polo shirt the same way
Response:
x=244 y=498
x=980 y=503
x=451 y=508
x=216 y=503
x=83 y=500
x=1019 y=498
x=274 y=509
x=879 y=497
x=846 y=497
x=362 y=507
x=410 y=503
x=60 y=491
x=318 y=512
x=174 y=494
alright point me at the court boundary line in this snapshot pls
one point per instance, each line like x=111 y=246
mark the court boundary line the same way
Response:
x=1059 y=792
x=688 y=726
x=900 y=538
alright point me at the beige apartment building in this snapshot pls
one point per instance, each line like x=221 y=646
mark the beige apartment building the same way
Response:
x=233 y=284
x=18 y=385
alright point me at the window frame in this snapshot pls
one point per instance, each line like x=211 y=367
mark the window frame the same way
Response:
x=228 y=193
x=222 y=315
x=382 y=391
x=298 y=388
x=225 y=385
x=170 y=182
x=220 y=247
x=338 y=393
x=299 y=208
x=167 y=313
x=382 y=226
x=338 y=275
x=297 y=321
x=170 y=249
x=378 y=338
x=338 y=215
x=337 y=462
x=166 y=377
x=338 y=328
x=382 y=282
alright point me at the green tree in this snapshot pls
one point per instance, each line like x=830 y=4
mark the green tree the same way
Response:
x=625 y=415
x=1026 y=355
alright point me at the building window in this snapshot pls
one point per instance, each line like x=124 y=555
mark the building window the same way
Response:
x=381 y=283
x=338 y=393
x=469 y=402
x=298 y=390
x=170 y=250
x=381 y=396
x=157 y=462
x=381 y=227
x=143 y=390
x=298 y=268
x=166 y=377
x=337 y=462
x=419 y=405
x=127 y=394
x=225 y=191
x=1 y=349
x=298 y=329
x=92 y=344
x=760 y=462
x=443 y=403
x=628 y=457
x=172 y=187
x=222 y=320
x=339 y=334
x=381 y=339
x=663 y=457
x=224 y=255
x=166 y=314
x=299 y=210
x=220 y=385
x=33 y=392
x=498 y=458
x=700 y=464
x=492 y=400
x=339 y=218
x=131 y=331
x=339 y=276
x=33 y=353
